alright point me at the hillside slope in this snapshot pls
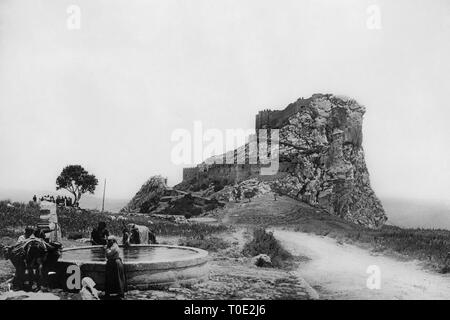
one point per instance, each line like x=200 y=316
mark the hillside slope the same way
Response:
x=411 y=261
x=428 y=245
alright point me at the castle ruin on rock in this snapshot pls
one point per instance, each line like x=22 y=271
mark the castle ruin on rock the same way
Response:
x=321 y=159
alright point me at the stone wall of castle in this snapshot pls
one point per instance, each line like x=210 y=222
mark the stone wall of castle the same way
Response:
x=234 y=173
x=190 y=173
x=276 y=118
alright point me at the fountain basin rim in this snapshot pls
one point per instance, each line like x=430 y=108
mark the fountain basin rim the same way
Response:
x=200 y=256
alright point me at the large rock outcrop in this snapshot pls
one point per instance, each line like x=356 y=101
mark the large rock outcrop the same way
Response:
x=321 y=158
x=323 y=142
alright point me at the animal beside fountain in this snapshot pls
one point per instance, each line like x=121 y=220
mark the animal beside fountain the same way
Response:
x=33 y=259
x=35 y=254
x=136 y=234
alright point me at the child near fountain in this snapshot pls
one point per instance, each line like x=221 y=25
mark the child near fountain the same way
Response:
x=88 y=291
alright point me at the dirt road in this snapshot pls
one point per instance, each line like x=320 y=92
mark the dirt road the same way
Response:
x=341 y=271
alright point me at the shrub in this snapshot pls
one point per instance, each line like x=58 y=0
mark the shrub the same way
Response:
x=265 y=243
x=262 y=260
x=17 y=215
x=211 y=206
x=74 y=236
x=219 y=184
x=445 y=269
x=248 y=194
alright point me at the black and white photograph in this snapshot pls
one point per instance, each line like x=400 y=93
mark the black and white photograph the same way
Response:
x=207 y=151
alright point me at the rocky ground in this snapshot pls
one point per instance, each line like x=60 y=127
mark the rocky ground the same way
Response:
x=229 y=280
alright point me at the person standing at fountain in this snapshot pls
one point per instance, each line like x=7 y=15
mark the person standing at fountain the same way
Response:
x=115 y=281
x=99 y=234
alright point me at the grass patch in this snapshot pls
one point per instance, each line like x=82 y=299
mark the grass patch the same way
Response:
x=79 y=223
x=213 y=244
x=428 y=245
x=264 y=242
x=75 y=236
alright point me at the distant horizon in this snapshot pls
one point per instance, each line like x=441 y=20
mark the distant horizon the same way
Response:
x=99 y=191
x=402 y=212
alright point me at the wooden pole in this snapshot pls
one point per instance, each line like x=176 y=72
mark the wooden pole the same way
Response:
x=103 y=203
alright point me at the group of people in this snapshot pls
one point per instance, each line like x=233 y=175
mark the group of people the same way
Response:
x=131 y=234
x=34 y=257
x=59 y=200
x=32 y=233
x=115 y=277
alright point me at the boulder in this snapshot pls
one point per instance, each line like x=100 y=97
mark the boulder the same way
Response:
x=157 y=198
x=262 y=260
x=246 y=190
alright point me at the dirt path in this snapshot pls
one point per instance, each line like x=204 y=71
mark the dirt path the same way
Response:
x=340 y=271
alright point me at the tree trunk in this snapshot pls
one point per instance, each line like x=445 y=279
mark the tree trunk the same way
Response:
x=75 y=202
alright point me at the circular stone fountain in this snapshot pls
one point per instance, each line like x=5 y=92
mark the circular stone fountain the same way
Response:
x=146 y=266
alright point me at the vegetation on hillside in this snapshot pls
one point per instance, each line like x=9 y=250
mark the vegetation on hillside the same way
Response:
x=211 y=243
x=425 y=244
x=77 y=223
x=15 y=216
x=195 y=184
x=431 y=245
x=147 y=198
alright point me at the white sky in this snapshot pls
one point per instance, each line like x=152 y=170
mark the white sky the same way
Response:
x=108 y=96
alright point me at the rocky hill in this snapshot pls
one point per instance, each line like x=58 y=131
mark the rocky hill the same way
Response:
x=148 y=197
x=321 y=159
x=156 y=197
